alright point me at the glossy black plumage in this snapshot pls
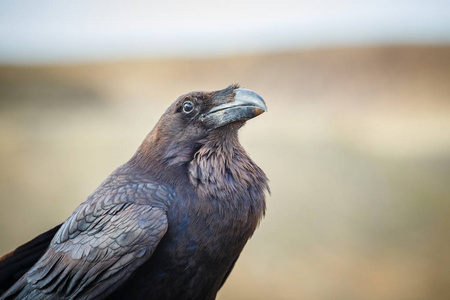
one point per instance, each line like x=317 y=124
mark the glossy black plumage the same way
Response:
x=168 y=224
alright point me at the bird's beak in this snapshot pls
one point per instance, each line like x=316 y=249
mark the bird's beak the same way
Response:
x=246 y=105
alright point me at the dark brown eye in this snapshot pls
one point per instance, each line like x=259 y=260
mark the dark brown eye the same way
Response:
x=188 y=106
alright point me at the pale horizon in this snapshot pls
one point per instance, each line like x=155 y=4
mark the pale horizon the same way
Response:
x=46 y=31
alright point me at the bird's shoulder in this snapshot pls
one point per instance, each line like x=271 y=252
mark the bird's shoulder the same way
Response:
x=120 y=191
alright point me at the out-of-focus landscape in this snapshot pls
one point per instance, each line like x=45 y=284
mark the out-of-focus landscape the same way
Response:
x=356 y=144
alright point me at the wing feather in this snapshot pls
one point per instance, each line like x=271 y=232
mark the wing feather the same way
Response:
x=99 y=246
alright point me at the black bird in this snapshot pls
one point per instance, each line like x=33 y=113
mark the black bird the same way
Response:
x=168 y=224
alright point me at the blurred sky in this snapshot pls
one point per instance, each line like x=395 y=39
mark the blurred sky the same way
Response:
x=60 y=31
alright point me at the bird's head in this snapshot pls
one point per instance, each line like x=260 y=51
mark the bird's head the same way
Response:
x=196 y=114
x=194 y=117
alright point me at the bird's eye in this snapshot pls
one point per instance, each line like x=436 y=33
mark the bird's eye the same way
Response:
x=188 y=106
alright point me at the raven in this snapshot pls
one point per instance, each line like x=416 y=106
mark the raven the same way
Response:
x=168 y=224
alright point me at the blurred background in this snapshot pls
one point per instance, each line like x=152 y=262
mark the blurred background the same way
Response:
x=356 y=141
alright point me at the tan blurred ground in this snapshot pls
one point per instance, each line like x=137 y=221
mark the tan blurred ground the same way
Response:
x=356 y=144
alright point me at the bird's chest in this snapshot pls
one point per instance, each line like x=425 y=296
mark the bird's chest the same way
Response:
x=211 y=231
x=200 y=248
